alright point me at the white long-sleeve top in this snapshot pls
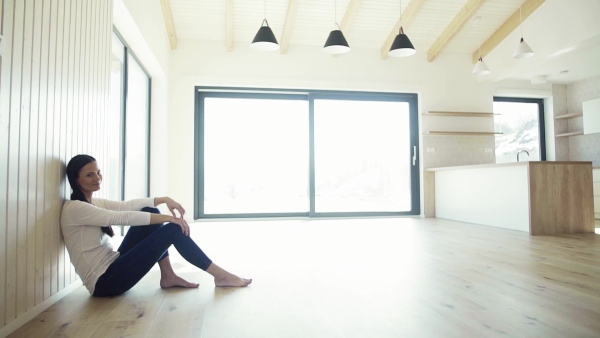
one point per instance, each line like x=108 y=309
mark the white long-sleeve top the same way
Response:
x=90 y=249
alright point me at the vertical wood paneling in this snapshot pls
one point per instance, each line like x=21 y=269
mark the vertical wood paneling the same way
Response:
x=25 y=282
x=54 y=88
x=5 y=73
x=49 y=257
x=13 y=163
x=41 y=23
x=58 y=116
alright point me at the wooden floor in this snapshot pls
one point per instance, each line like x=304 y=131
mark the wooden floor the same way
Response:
x=393 y=277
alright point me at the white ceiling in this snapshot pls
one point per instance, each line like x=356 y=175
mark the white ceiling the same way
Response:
x=564 y=34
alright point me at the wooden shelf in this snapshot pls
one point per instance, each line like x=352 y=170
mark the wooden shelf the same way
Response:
x=471 y=133
x=449 y=113
x=574 y=133
x=568 y=116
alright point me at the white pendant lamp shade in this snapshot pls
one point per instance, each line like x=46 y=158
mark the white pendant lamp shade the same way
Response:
x=336 y=43
x=481 y=68
x=265 y=39
x=401 y=47
x=523 y=50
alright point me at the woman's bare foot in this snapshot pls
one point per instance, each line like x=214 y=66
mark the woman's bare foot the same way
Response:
x=172 y=281
x=225 y=278
x=232 y=280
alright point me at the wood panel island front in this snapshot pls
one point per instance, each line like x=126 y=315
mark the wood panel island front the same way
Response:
x=542 y=198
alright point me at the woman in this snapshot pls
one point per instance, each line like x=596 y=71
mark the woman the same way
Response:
x=86 y=227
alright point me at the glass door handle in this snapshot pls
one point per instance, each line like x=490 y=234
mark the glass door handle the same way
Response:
x=414 y=155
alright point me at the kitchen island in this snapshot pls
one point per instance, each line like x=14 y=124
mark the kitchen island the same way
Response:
x=542 y=198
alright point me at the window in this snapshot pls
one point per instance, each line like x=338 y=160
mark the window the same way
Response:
x=130 y=139
x=129 y=142
x=521 y=121
x=305 y=153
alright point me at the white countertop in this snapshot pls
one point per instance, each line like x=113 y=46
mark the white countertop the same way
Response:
x=509 y=164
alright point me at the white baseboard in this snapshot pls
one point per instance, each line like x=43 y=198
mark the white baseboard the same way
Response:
x=30 y=314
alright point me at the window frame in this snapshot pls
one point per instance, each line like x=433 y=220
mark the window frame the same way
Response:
x=206 y=91
x=541 y=121
x=124 y=91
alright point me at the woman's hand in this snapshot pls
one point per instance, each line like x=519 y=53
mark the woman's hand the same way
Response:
x=171 y=204
x=183 y=224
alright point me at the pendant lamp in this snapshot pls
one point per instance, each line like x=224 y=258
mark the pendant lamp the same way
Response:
x=523 y=50
x=336 y=42
x=480 y=67
x=401 y=47
x=265 y=39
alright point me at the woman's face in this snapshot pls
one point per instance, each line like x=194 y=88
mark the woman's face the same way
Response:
x=89 y=178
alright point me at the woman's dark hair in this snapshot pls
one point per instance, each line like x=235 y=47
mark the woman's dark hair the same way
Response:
x=73 y=169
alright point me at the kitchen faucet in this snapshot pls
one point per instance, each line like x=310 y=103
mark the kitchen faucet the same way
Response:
x=520 y=152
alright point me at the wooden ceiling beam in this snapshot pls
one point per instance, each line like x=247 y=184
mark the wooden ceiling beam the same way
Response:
x=463 y=16
x=168 y=16
x=229 y=26
x=408 y=15
x=287 y=27
x=527 y=8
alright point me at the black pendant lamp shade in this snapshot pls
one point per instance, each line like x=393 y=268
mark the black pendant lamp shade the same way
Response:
x=265 y=39
x=336 y=43
x=401 y=46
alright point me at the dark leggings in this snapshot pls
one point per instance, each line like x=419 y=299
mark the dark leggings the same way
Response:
x=141 y=248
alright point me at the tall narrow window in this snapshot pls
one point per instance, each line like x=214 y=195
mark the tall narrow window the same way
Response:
x=521 y=121
x=113 y=170
x=137 y=130
x=129 y=146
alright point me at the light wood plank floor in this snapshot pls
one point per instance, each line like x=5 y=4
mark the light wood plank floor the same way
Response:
x=391 y=277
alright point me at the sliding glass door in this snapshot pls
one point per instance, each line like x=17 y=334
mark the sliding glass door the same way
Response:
x=255 y=155
x=305 y=153
x=362 y=156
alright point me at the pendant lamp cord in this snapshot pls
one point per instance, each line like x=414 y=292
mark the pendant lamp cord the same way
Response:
x=265 y=9
x=335 y=23
x=477 y=19
x=521 y=22
x=400 y=31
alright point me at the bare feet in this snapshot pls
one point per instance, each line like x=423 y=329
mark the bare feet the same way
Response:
x=232 y=280
x=173 y=281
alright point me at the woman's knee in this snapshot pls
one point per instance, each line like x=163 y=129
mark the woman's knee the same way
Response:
x=151 y=210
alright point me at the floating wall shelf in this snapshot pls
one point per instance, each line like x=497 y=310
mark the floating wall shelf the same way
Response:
x=460 y=114
x=449 y=113
x=575 y=133
x=472 y=133
x=568 y=116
